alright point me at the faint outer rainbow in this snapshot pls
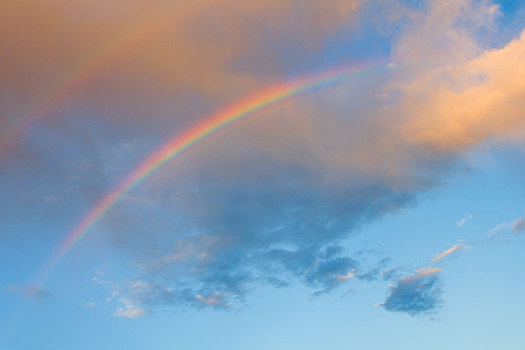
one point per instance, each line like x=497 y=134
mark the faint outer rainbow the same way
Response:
x=81 y=72
x=180 y=143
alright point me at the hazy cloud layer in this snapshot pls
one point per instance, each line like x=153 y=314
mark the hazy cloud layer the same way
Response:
x=34 y=292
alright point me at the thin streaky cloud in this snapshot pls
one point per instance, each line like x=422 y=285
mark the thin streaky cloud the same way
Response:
x=463 y=221
x=452 y=250
x=519 y=225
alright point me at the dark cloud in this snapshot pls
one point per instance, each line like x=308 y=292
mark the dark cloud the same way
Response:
x=415 y=294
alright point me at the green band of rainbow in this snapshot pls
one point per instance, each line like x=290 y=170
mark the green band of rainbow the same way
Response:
x=186 y=140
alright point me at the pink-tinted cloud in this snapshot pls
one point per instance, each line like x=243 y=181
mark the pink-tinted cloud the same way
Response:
x=519 y=225
x=452 y=250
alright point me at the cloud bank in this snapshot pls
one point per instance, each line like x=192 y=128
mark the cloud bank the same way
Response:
x=270 y=201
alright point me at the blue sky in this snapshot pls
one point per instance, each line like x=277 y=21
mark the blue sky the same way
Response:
x=386 y=211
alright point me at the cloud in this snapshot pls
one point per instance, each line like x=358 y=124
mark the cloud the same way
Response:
x=272 y=200
x=223 y=281
x=519 y=225
x=452 y=250
x=514 y=225
x=170 y=47
x=34 y=292
x=137 y=297
x=463 y=102
x=463 y=221
x=415 y=294
x=136 y=58
x=501 y=228
x=420 y=293
x=129 y=311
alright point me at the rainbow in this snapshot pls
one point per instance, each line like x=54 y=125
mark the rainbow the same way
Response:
x=180 y=143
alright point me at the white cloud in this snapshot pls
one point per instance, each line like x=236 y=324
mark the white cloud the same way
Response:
x=129 y=311
x=215 y=299
x=463 y=221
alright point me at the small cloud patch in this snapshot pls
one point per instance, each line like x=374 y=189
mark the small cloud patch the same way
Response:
x=519 y=225
x=36 y=293
x=415 y=294
x=463 y=221
x=129 y=311
x=449 y=252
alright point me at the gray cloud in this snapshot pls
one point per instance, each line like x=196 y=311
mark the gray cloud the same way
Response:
x=420 y=293
x=415 y=294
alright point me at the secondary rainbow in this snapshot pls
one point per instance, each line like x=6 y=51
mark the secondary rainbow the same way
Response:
x=180 y=143
x=83 y=71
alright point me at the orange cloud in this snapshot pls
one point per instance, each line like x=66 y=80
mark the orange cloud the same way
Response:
x=459 y=106
x=455 y=248
x=146 y=50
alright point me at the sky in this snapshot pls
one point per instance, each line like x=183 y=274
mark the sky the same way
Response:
x=262 y=175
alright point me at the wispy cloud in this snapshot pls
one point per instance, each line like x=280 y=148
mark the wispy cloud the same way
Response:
x=501 y=228
x=34 y=292
x=519 y=225
x=129 y=311
x=463 y=221
x=452 y=250
x=510 y=226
